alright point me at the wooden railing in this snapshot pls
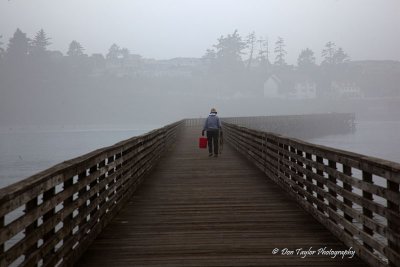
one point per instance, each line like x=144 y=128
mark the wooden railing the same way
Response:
x=50 y=218
x=355 y=197
x=194 y=122
x=299 y=126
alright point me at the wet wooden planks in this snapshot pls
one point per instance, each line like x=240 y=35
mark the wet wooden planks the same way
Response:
x=193 y=210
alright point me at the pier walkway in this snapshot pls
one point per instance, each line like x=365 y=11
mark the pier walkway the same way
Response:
x=193 y=210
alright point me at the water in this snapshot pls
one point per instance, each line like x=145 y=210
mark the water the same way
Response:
x=26 y=151
x=379 y=139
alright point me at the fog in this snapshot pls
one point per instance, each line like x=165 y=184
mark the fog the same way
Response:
x=96 y=62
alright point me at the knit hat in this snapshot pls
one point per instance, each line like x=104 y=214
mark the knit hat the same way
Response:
x=213 y=110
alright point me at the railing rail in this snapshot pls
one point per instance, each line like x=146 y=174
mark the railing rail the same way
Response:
x=50 y=218
x=354 y=196
x=299 y=126
x=194 y=122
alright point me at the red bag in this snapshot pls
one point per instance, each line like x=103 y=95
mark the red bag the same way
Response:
x=202 y=142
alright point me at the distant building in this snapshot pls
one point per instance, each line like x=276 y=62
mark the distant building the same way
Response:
x=272 y=87
x=377 y=78
x=290 y=86
x=176 y=67
x=184 y=62
x=304 y=89
x=346 y=89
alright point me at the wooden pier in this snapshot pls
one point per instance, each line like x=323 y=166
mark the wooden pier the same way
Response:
x=192 y=210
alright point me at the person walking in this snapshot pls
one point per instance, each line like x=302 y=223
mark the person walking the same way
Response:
x=212 y=126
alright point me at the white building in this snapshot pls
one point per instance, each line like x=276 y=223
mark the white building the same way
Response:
x=272 y=87
x=304 y=90
x=290 y=87
x=346 y=89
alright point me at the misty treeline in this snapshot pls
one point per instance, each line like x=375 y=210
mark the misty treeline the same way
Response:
x=244 y=63
x=237 y=64
x=235 y=67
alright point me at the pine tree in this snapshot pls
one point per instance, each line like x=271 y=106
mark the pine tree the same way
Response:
x=114 y=53
x=230 y=48
x=209 y=55
x=40 y=43
x=306 y=59
x=280 y=52
x=340 y=56
x=250 y=43
x=18 y=46
x=263 y=51
x=328 y=53
x=75 y=49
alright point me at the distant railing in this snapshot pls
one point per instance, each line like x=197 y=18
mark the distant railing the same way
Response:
x=354 y=196
x=299 y=126
x=194 y=122
x=50 y=218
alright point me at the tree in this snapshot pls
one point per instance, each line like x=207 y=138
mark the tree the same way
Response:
x=225 y=64
x=210 y=55
x=75 y=49
x=280 y=52
x=306 y=59
x=18 y=46
x=340 y=56
x=263 y=51
x=230 y=48
x=40 y=43
x=209 y=59
x=250 y=43
x=328 y=53
x=114 y=53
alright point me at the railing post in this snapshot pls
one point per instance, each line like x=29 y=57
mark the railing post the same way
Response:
x=31 y=205
x=68 y=221
x=93 y=184
x=102 y=164
x=347 y=202
x=293 y=169
x=119 y=169
x=264 y=151
x=393 y=225
x=331 y=178
x=308 y=178
x=320 y=160
x=47 y=216
x=110 y=172
x=299 y=173
x=2 y=224
x=367 y=177
x=81 y=194
x=283 y=166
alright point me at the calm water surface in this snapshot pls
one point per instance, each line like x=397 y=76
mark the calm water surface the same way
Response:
x=26 y=152
x=373 y=138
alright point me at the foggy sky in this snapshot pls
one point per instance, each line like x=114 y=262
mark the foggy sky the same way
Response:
x=366 y=29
